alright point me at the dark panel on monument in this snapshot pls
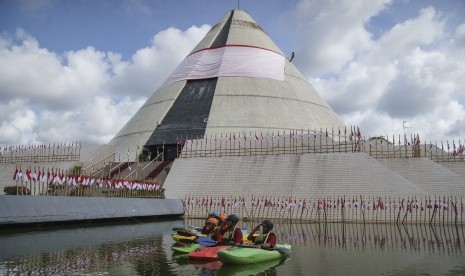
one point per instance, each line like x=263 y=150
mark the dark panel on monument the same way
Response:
x=222 y=36
x=188 y=116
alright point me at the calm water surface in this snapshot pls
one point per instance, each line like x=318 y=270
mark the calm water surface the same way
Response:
x=144 y=248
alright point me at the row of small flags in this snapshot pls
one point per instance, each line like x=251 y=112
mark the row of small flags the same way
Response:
x=57 y=177
x=354 y=132
x=322 y=204
x=5 y=149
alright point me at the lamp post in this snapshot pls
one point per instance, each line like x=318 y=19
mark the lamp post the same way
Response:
x=404 y=127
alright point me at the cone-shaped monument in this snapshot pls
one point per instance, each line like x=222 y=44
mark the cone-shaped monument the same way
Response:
x=236 y=80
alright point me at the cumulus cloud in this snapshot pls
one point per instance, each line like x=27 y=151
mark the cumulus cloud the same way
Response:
x=43 y=77
x=86 y=95
x=333 y=32
x=412 y=71
x=150 y=66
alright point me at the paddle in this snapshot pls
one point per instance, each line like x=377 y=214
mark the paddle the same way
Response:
x=176 y=229
x=280 y=249
x=183 y=232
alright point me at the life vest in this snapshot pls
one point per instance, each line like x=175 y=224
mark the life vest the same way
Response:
x=210 y=234
x=229 y=235
x=262 y=238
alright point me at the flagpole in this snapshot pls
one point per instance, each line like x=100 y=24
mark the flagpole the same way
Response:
x=35 y=179
x=16 y=180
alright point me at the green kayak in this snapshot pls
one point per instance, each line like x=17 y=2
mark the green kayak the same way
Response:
x=250 y=255
x=185 y=248
x=248 y=269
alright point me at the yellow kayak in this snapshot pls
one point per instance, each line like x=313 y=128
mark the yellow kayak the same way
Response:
x=186 y=236
x=184 y=239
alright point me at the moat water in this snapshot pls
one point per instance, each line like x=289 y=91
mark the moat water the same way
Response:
x=144 y=248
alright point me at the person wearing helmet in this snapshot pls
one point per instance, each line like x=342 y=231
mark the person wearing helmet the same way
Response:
x=228 y=232
x=209 y=229
x=213 y=214
x=266 y=239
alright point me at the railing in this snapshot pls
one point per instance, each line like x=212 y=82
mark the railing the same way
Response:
x=109 y=158
x=307 y=142
x=118 y=166
x=58 y=152
x=146 y=166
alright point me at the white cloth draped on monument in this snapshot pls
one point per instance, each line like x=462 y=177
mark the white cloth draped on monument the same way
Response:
x=230 y=61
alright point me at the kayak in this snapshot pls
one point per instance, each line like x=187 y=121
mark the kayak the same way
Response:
x=182 y=238
x=184 y=235
x=207 y=253
x=186 y=248
x=249 y=255
x=249 y=269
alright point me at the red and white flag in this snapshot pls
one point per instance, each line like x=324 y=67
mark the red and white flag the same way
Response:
x=15 y=174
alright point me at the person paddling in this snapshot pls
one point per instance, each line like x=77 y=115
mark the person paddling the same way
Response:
x=228 y=232
x=266 y=239
x=210 y=226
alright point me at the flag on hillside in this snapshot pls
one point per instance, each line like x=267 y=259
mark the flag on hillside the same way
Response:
x=27 y=175
x=39 y=176
x=15 y=174
x=34 y=175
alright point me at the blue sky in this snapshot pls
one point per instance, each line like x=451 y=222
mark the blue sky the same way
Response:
x=78 y=70
x=124 y=26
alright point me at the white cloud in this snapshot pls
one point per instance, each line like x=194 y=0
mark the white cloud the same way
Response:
x=84 y=95
x=407 y=36
x=459 y=39
x=413 y=71
x=150 y=66
x=333 y=32
x=31 y=72
x=18 y=122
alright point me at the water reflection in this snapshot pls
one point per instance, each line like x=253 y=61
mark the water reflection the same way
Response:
x=145 y=249
x=416 y=238
x=98 y=248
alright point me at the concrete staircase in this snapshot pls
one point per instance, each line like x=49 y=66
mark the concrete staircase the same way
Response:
x=158 y=169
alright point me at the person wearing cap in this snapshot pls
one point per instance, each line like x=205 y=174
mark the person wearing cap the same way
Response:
x=209 y=229
x=266 y=239
x=228 y=232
